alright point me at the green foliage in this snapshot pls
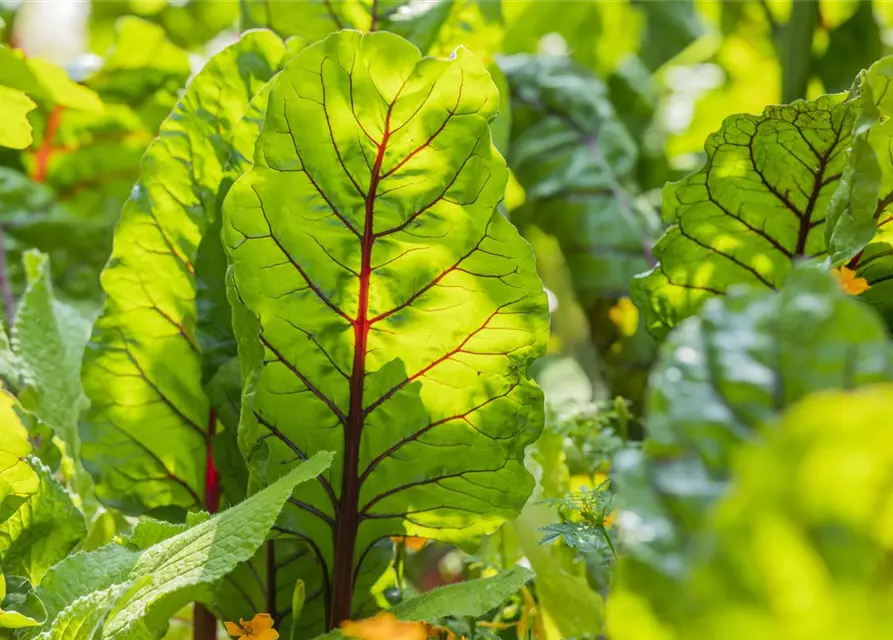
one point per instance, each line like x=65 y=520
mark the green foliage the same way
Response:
x=143 y=363
x=126 y=592
x=19 y=605
x=383 y=150
x=17 y=480
x=810 y=505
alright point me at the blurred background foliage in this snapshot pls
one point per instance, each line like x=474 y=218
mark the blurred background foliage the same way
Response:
x=603 y=102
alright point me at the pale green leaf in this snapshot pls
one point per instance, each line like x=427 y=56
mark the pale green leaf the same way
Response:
x=44 y=82
x=17 y=479
x=472 y=598
x=15 y=130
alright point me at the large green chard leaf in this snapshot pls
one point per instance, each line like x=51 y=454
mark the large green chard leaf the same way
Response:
x=758 y=204
x=126 y=592
x=575 y=160
x=146 y=436
x=396 y=308
x=722 y=375
x=17 y=479
x=798 y=543
x=42 y=531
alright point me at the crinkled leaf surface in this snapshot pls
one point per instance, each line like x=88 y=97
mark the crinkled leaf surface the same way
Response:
x=49 y=339
x=397 y=309
x=17 y=479
x=576 y=160
x=42 y=531
x=757 y=204
x=473 y=598
x=142 y=367
x=810 y=506
x=723 y=374
x=132 y=593
x=19 y=605
x=15 y=132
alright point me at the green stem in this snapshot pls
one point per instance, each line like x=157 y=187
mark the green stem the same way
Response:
x=795 y=49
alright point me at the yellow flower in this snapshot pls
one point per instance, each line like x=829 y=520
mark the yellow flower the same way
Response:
x=848 y=281
x=260 y=627
x=384 y=626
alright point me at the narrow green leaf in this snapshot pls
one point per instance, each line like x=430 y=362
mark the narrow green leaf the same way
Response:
x=472 y=598
x=757 y=205
x=135 y=592
x=42 y=531
x=397 y=309
x=49 y=339
x=19 y=605
x=142 y=367
x=15 y=130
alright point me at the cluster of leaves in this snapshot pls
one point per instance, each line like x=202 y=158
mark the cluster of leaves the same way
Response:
x=299 y=345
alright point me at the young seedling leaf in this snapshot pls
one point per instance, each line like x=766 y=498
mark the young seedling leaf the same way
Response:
x=389 y=311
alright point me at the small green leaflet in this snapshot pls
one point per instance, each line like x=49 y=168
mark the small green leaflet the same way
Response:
x=397 y=309
x=19 y=605
x=130 y=593
x=472 y=598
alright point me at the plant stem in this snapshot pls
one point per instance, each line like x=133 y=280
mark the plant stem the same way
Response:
x=795 y=49
x=204 y=623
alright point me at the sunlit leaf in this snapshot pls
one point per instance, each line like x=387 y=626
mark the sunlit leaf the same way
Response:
x=17 y=479
x=757 y=205
x=15 y=130
x=142 y=367
x=44 y=82
x=396 y=308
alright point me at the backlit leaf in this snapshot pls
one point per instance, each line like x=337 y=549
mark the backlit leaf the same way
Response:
x=397 y=309
x=15 y=130
x=142 y=367
x=17 y=478
x=758 y=204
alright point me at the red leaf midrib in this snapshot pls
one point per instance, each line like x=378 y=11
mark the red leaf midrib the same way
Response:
x=348 y=505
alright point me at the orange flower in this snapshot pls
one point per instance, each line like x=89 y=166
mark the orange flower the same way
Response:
x=260 y=627
x=848 y=281
x=412 y=543
x=384 y=626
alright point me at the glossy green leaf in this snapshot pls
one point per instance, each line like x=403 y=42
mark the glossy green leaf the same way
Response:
x=132 y=593
x=722 y=375
x=17 y=479
x=397 y=309
x=472 y=598
x=810 y=506
x=142 y=368
x=42 y=531
x=15 y=132
x=758 y=204
x=48 y=338
x=576 y=161
x=19 y=605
